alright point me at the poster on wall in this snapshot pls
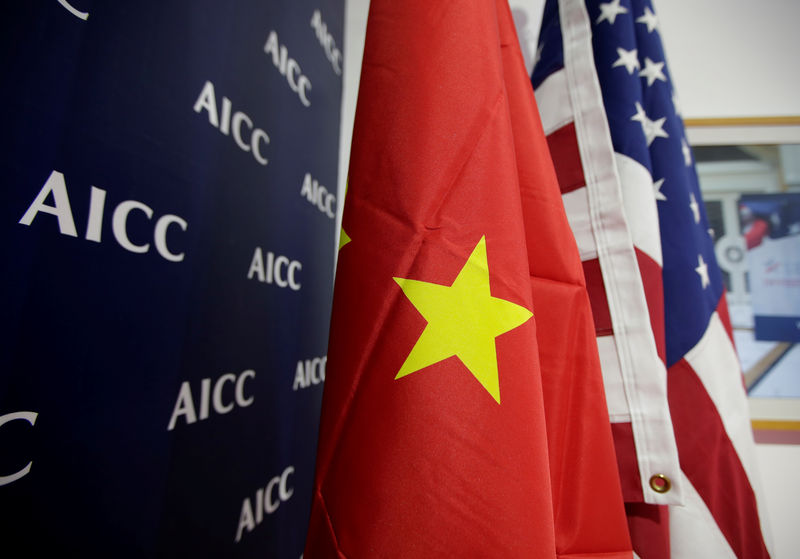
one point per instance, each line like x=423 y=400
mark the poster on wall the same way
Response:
x=771 y=228
x=168 y=209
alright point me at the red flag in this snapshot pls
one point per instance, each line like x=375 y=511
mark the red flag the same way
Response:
x=463 y=413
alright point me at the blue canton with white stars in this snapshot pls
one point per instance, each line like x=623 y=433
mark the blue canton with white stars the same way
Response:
x=645 y=125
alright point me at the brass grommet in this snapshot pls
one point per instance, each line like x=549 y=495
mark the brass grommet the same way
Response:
x=660 y=483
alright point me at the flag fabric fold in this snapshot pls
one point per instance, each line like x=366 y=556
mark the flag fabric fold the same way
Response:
x=673 y=381
x=463 y=412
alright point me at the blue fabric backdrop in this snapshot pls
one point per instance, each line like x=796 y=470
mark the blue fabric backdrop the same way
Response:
x=168 y=190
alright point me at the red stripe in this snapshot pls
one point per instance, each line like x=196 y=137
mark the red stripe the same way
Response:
x=650 y=271
x=709 y=460
x=566 y=158
x=651 y=279
x=627 y=462
x=597 y=297
x=649 y=526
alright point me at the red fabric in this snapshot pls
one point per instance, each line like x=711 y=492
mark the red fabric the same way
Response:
x=589 y=513
x=650 y=271
x=430 y=465
x=649 y=526
x=563 y=145
x=597 y=296
x=629 y=474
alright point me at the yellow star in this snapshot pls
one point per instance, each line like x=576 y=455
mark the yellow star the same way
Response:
x=463 y=320
x=344 y=238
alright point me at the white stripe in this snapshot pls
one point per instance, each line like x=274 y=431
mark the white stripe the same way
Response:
x=693 y=531
x=715 y=362
x=576 y=203
x=643 y=373
x=553 y=101
x=618 y=411
x=639 y=200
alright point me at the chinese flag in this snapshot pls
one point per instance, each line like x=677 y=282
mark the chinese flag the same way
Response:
x=463 y=413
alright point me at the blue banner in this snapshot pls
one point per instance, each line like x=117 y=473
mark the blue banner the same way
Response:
x=169 y=192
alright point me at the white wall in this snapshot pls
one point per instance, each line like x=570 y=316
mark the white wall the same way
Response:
x=732 y=58
x=728 y=58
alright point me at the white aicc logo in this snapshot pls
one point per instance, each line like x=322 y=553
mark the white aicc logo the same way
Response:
x=71 y=9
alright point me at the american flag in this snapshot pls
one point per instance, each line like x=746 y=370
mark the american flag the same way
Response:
x=673 y=381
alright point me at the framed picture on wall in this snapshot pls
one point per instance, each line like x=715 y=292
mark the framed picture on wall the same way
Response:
x=749 y=171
